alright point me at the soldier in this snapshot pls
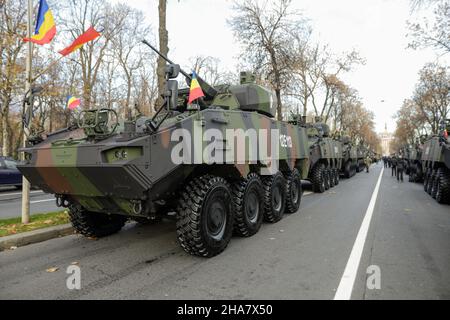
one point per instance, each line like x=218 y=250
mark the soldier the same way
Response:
x=367 y=162
x=394 y=165
x=400 y=168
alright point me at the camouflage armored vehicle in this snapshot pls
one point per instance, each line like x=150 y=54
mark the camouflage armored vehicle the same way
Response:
x=436 y=165
x=349 y=158
x=223 y=165
x=325 y=156
x=361 y=153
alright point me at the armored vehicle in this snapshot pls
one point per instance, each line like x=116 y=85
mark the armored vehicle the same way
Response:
x=349 y=158
x=436 y=165
x=413 y=157
x=361 y=153
x=325 y=156
x=222 y=164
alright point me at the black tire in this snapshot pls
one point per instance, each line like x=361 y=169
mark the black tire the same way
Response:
x=248 y=199
x=294 y=191
x=327 y=178
x=94 y=224
x=348 y=170
x=332 y=178
x=435 y=185
x=336 y=176
x=443 y=186
x=317 y=178
x=205 y=216
x=426 y=179
x=274 y=197
x=430 y=182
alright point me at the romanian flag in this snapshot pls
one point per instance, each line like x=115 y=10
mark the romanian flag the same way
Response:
x=195 y=91
x=87 y=36
x=72 y=102
x=45 y=25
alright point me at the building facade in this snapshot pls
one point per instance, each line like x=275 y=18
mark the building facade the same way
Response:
x=386 y=138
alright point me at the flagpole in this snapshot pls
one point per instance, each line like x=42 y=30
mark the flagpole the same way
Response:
x=25 y=182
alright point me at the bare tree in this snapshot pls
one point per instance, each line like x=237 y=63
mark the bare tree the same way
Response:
x=13 y=19
x=163 y=45
x=265 y=30
x=433 y=35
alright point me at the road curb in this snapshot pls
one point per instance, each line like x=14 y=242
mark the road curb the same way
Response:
x=35 y=236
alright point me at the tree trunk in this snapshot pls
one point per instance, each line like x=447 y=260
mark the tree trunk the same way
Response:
x=163 y=47
x=5 y=127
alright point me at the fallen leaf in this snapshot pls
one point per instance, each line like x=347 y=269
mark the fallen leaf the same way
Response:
x=271 y=238
x=13 y=248
x=408 y=210
x=75 y=263
x=281 y=231
x=54 y=269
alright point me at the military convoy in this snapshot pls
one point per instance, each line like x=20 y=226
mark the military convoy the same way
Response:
x=325 y=157
x=223 y=164
x=349 y=158
x=436 y=165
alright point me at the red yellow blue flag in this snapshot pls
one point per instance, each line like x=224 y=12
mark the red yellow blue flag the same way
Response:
x=195 y=91
x=89 y=35
x=72 y=102
x=45 y=25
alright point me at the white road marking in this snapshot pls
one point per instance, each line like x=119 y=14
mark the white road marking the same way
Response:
x=39 y=201
x=344 y=291
x=17 y=193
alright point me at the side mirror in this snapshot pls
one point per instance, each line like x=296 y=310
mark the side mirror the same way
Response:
x=171 y=94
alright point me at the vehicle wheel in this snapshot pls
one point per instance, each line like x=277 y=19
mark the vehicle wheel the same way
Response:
x=317 y=178
x=430 y=182
x=326 y=173
x=294 y=191
x=205 y=216
x=348 y=170
x=274 y=197
x=248 y=202
x=426 y=179
x=336 y=176
x=94 y=224
x=435 y=184
x=332 y=178
x=443 y=186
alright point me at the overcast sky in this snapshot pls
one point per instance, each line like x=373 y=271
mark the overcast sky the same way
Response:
x=376 y=28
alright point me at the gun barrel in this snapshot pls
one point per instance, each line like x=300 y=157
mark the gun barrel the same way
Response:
x=165 y=58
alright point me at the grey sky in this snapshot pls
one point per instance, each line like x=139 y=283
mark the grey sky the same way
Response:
x=376 y=28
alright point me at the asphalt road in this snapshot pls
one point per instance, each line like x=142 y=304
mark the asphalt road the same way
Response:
x=11 y=202
x=304 y=256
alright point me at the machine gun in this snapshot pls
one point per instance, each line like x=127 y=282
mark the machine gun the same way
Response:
x=170 y=93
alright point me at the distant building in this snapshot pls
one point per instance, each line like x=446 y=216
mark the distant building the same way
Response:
x=386 y=138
